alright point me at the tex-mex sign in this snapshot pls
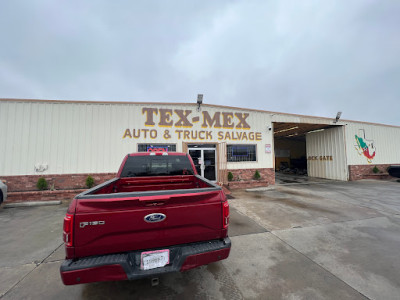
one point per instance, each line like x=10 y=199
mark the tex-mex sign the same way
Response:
x=179 y=124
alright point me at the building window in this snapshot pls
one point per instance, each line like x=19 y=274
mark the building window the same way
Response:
x=156 y=147
x=241 y=153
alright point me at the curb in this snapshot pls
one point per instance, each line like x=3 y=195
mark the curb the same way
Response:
x=260 y=189
x=31 y=204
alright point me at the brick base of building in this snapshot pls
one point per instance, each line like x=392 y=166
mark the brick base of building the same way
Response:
x=244 y=178
x=247 y=184
x=357 y=172
x=67 y=186
x=27 y=183
x=42 y=195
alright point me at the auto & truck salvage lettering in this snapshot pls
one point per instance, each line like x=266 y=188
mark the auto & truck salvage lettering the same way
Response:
x=234 y=123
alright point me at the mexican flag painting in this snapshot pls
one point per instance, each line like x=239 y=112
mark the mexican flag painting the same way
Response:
x=365 y=147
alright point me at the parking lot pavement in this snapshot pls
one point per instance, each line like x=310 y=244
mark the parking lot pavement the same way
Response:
x=264 y=267
x=329 y=240
x=240 y=224
x=362 y=253
x=299 y=206
x=350 y=229
x=28 y=236
x=381 y=196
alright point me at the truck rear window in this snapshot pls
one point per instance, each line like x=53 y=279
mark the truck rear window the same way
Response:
x=163 y=165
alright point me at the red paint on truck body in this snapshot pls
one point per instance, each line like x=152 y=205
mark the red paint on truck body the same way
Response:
x=100 y=223
x=190 y=218
x=198 y=260
x=104 y=273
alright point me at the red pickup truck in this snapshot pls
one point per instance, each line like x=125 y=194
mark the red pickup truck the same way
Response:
x=157 y=216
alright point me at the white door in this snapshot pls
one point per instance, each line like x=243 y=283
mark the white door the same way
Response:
x=326 y=156
x=205 y=162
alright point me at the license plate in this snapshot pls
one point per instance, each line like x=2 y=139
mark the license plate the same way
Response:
x=154 y=259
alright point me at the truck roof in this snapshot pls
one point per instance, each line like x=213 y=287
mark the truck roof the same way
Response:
x=158 y=153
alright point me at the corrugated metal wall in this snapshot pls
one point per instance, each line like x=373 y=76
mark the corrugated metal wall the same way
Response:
x=326 y=156
x=72 y=138
x=84 y=137
x=382 y=142
x=67 y=138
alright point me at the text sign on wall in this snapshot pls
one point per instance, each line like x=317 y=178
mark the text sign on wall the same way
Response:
x=320 y=157
x=178 y=123
x=267 y=148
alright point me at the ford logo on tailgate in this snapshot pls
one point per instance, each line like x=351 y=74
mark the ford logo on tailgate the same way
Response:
x=154 y=218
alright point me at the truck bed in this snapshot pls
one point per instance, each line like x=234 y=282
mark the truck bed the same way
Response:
x=191 y=203
x=156 y=209
x=150 y=186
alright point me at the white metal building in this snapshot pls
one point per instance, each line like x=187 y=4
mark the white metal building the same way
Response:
x=77 y=137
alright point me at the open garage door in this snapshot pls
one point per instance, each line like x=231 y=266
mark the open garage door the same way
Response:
x=326 y=156
x=310 y=149
x=290 y=146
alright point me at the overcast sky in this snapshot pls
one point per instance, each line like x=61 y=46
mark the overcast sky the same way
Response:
x=304 y=57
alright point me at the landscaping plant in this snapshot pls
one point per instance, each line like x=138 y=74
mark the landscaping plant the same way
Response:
x=41 y=184
x=230 y=176
x=89 y=182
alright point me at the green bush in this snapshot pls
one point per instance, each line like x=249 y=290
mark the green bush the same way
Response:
x=257 y=175
x=230 y=176
x=41 y=184
x=375 y=170
x=89 y=182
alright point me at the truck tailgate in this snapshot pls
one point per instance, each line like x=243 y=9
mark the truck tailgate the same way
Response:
x=114 y=225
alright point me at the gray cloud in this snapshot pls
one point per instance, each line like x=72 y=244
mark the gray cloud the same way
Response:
x=306 y=57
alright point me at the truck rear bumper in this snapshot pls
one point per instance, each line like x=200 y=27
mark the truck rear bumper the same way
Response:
x=126 y=266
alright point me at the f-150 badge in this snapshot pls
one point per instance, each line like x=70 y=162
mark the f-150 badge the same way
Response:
x=84 y=224
x=154 y=218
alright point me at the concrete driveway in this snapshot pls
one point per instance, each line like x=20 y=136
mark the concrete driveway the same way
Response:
x=317 y=240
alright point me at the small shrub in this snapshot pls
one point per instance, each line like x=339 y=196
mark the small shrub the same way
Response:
x=230 y=176
x=375 y=170
x=41 y=184
x=89 y=182
x=257 y=175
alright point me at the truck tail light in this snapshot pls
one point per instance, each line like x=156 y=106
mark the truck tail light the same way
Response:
x=68 y=230
x=225 y=214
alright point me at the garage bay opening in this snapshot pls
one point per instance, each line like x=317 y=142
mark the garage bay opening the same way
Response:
x=314 y=150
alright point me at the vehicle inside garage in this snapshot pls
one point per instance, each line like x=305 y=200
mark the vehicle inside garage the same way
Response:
x=290 y=146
